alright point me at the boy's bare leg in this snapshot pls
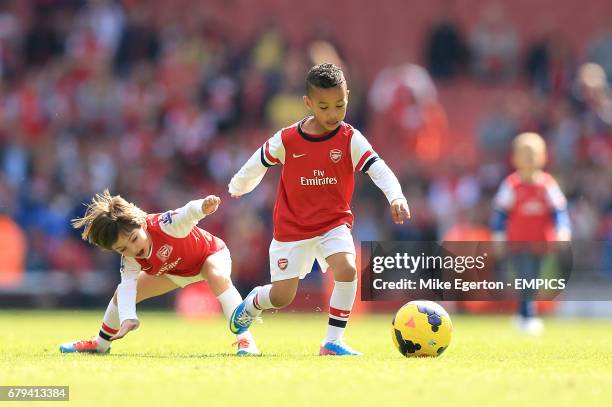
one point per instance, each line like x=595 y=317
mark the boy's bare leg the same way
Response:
x=279 y=294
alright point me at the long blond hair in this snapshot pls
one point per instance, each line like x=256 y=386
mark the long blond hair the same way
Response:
x=106 y=217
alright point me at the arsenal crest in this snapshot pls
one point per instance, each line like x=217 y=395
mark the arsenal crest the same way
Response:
x=163 y=253
x=335 y=155
x=282 y=263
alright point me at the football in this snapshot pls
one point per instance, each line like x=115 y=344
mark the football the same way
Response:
x=421 y=329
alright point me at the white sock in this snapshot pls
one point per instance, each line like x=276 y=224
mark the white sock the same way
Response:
x=110 y=326
x=229 y=300
x=245 y=335
x=261 y=300
x=340 y=305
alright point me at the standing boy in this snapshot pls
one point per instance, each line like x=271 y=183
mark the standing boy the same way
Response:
x=529 y=207
x=312 y=215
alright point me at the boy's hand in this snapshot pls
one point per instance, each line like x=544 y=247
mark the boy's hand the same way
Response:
x=210 y=204
x=232 y=190
x=400 y=210
x=126 y=326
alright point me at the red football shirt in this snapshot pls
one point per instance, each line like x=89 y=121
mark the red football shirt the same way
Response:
x=177 y=255
x=317 y=179
x=178 y=247
x=530 y=207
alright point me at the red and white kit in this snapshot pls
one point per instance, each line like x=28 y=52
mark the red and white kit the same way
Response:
x=530 y=207
x=312 y=214
x=179 y=249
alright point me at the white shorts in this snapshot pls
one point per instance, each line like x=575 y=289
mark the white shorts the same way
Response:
x=223 y=259
x=295 y=259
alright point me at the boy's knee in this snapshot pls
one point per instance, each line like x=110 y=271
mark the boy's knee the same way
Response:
x=346 y=273
x=219 y=275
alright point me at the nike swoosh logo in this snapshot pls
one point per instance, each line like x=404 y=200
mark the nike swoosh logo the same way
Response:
x=298 y=155
x=344 y=315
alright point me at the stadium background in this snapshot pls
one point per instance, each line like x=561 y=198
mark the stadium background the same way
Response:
x=162 y=102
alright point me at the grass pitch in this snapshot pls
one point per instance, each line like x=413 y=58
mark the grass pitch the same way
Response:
x=171 y=361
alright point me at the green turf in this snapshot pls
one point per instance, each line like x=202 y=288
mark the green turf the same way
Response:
x=171 y=361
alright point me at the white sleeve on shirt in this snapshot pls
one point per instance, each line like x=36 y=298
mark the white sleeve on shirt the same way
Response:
x=179 y=222
x=365 y=159
x=558 y=203
x=253 y=171
x=386 y=180
x=555 y=196
x=362 y=153
x=273 y=150
x=126 y=291
x=504 y=198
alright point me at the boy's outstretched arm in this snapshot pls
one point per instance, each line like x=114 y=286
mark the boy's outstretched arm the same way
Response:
x=126 y=297
x=366 y=160
x=179 y=222
x=248 y=177
x=386 y=180
x=253 y=171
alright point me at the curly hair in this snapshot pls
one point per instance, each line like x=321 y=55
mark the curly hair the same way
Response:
x=106 y=217
x=324 y=76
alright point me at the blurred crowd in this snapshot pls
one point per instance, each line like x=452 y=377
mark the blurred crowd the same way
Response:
x=543 y=86
x=98 y=95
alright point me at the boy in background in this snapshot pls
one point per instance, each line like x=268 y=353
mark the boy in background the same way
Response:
x=529 y=207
